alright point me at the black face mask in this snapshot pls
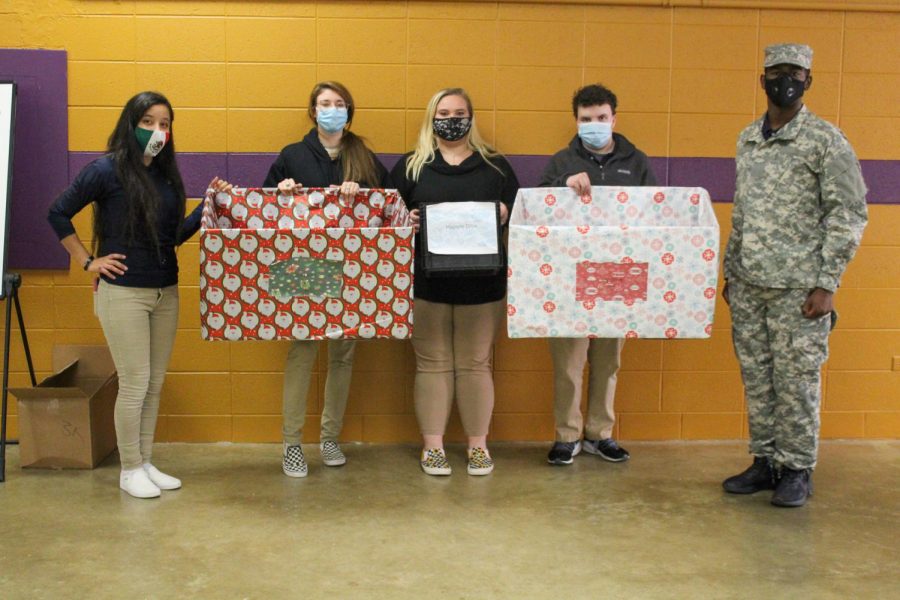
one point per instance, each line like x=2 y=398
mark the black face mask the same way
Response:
x=784 y=90
x=452 y=129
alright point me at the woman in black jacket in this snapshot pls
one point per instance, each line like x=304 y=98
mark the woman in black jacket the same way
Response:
x=329 y=156
x=456 y=318
x=139 y=205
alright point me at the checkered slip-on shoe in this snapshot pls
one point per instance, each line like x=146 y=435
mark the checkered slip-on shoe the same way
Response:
x=434 y=462
x=292 y=462
x=480 y=462
x=331 y=454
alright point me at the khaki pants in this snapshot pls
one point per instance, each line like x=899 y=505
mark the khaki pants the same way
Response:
x=569 y=356
x=454 y=346
x=139 y=325
x=297 y=375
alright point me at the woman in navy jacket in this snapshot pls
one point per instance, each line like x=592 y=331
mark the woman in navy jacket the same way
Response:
x=139 y=205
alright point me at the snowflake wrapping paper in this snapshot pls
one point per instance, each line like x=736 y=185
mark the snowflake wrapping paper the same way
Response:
x=306 y=266
x=627 y=262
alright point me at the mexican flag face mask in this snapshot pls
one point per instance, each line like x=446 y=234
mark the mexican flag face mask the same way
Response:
x=151 y=141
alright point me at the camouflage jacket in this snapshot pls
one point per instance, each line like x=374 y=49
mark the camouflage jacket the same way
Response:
x=799 y=206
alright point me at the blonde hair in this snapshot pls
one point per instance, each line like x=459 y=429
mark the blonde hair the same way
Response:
x=357 y=160
x=427 y=143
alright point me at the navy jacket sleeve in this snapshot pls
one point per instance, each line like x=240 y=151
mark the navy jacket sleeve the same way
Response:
x=190 y=225
x=89 y=185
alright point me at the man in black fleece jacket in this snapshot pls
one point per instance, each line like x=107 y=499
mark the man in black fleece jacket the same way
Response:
x=595 y=156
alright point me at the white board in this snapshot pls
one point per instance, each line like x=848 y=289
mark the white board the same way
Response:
x=7 y=119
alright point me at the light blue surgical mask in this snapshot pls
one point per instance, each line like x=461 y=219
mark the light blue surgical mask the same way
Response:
x=331 y=120
x=595 y=134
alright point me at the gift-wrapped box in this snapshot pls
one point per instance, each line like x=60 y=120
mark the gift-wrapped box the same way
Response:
x=306 y=266
x=626 y=262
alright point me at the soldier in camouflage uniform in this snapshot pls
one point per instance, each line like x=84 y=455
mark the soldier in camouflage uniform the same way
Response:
x=799 y=214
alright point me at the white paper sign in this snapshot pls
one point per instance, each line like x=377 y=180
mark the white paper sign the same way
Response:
x=462 y=228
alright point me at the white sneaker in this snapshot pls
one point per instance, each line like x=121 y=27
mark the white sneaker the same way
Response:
x=332 y=456
x=137 y=483
x=160 y=479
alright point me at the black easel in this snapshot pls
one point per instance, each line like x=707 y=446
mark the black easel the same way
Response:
x=11 y=284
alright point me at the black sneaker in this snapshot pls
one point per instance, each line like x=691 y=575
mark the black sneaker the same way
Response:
x=562 y=453
x=793 y=488
x=606 y=449
x=758 y=476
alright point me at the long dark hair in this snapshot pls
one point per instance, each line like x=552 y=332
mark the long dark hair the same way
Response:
x=140 y=192
x=357 y=160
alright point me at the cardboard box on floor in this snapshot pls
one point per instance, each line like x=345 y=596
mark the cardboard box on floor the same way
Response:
x=66 y=422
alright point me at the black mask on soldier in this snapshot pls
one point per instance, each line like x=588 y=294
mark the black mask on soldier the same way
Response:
x=784 y=90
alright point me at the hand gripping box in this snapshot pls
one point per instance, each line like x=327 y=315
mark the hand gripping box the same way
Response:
x=306 y=266
x=626 y=262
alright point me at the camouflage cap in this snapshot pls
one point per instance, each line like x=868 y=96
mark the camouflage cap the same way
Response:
x=791 y=54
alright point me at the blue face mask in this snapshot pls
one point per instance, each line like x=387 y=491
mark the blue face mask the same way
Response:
x=595 y=134
x=331 y=120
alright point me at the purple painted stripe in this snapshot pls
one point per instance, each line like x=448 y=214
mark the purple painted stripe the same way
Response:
x=883 y=179
x=714 y=174
x=197 y=168
x=249 y=168
x=529 y=167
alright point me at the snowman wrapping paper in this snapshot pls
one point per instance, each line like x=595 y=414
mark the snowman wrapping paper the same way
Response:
x=306 y=266
x=626 y=262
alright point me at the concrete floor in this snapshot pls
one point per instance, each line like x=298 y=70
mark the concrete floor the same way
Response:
x=658 y=526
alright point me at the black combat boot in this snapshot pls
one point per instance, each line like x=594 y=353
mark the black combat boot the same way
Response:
x=794 y=487
x=759 y=476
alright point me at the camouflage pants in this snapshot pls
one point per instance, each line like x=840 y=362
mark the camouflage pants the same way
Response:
x=781 y=355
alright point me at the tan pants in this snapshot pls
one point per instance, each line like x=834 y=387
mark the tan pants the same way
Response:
x=454 y=346
x=139 y=325
x=569 y=356
x=297 y=375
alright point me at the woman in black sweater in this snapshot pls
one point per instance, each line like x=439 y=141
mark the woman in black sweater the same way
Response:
x=456 y=318
x=139 y=205
x=329 y=156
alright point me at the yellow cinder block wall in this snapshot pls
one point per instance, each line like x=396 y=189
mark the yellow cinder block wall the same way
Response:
x=238 y=73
